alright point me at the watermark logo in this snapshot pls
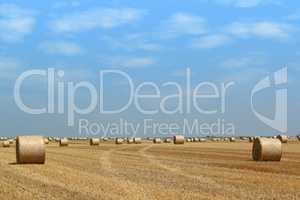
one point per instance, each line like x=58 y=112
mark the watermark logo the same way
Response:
x=279 y=122
x=189 y=98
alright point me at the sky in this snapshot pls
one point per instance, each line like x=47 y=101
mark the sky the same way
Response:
x=218 y=42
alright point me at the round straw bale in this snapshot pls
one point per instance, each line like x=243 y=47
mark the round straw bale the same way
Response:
x=30 y=149
x=232 y=139
x=202 y=140
x=167 y=140
x=298 y=136
x=178 y=139
x=283 y=138
x=63 y=142
x=11 y=141
x=266 y=149
x=119 y=140
x=5 y=143
x=94 y=141
x=130 y=140
x=46 y=140
x=137 y=140
x=226 y=139
x=195 y=139
x=157 y=140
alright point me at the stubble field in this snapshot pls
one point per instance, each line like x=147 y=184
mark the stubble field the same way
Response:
x=219 y=170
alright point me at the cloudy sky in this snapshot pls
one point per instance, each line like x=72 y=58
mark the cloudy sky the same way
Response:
x=220 y=41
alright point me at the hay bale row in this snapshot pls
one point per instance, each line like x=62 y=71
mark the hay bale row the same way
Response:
x=30 y=149
x=244 y=138
x=251 y=139
x=266 y=149
x=3 y=138
x=195 y=139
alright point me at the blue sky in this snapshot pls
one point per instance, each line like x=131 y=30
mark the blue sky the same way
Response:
x=219 y=40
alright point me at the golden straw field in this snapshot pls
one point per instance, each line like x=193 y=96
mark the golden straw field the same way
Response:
x=210 y=170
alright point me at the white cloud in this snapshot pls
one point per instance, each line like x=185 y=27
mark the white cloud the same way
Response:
x=245 y=68
x=247 y=3
x=61 y=47
x=246 y=75
x=210 y=41
x=15 y=22
x=294 y=16
x=8 y=63
x=127 y=62
x=75 y=73
x=183 y=24
x=95 y=18
x=132 y=42
x=8 y=67
x=249 y=61
x=65 y=4
x=261 y=29
x=138 y=62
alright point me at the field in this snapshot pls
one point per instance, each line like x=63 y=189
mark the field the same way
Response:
x=219 y=170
